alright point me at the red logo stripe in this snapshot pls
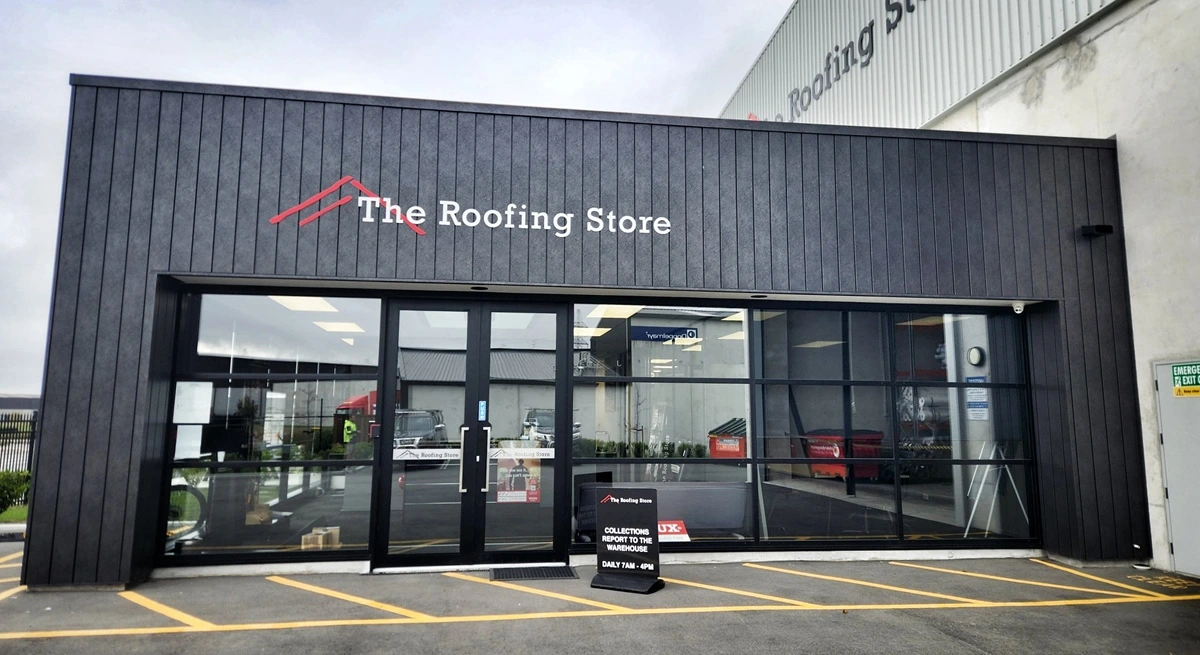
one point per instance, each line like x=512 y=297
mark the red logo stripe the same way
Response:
x=309 y=219
x=311 y=201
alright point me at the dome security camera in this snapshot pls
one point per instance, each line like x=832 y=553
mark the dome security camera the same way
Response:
x=1018 y=307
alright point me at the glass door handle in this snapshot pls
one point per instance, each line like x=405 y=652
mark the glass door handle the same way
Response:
x=462 y=446
x=487 y=474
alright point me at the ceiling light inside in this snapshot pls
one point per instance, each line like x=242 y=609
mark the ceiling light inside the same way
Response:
x=931 y=321
x=736 y=316
x=661 y=361
x=693 y=349
x=819 y=344
x=591 y=331
x=304 y=303
x=338 y=327
x=736 y=336
x=615 y=311
x=686 y=341
x=349 y=340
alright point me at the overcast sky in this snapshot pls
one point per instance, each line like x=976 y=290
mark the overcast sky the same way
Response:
x=680 y=57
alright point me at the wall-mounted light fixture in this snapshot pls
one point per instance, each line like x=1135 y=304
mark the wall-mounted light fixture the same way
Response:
x=1095 y=230
x=976 y=356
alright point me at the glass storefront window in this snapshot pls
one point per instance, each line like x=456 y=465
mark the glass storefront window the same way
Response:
x=822 y=345
x=678 y=419
x=958 y=348
x=659 y=342
x=962 y=422
x=802 y=344
x=712 y=500
x=803 y=501
x=214 y=510
x=299 y=335
x=274 y=420
x=969 y=501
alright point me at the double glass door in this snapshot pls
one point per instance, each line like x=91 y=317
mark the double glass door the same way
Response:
x=472 y=447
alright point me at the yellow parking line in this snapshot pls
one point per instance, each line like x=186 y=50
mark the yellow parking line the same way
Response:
x=1017 y=580
x=10 y=566
x=332 y=623
x=347 y=597
x=7 y=558
x=169 y=612
x=9 y=592
x=864 y=583
x=539 y=592
x=9 y=579
x=739 y=592
x=1099 y=579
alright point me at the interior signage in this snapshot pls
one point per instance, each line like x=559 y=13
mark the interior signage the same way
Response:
x=840 y=61
x=450 y=213
x=627 y=540
x=661 y=334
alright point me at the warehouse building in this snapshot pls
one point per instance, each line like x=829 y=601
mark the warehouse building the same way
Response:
x=1120 y=69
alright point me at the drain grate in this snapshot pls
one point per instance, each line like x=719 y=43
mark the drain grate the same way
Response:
x=535 y=573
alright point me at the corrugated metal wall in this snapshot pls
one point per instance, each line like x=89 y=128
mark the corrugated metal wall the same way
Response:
x=937 y=55
x=165 y=178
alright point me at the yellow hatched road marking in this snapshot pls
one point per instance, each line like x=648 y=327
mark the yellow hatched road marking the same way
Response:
x=347 y=597
x=864 y=583
x=169 y=612
x=1099 y=579
x=539 y=592
x=739 y=592
x=10 y=566
x=239 y=627
x=9 y=592
x=9 y=579
x=10 y=557
x=1018 y=581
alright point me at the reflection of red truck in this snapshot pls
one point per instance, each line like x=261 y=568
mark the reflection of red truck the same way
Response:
x=831 y=444
x=353 y=408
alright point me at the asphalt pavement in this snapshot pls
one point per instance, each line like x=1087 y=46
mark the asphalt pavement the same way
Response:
x=952 y=606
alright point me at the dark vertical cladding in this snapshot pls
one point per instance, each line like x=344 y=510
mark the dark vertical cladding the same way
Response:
x=166 y=179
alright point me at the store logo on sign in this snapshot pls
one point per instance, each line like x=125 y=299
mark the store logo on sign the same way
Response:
x=452 y=214
x=412 y=222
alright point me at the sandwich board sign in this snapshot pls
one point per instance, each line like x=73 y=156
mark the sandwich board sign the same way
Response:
x=627 y=540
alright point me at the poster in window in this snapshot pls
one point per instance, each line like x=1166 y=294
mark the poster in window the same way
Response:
x=519 y=480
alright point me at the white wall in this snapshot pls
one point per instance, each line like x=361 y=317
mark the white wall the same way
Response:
x=1134 y=74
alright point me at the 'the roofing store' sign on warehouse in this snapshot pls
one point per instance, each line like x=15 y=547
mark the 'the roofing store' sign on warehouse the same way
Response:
x=1185 y=378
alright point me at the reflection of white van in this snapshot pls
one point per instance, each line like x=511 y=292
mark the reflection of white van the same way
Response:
x=539 y=426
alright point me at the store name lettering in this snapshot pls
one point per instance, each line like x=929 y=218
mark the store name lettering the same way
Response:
x=518 y=217
x=840 y=61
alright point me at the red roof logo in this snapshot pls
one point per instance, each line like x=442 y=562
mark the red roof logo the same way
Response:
x=607 y=498
x=316 y=198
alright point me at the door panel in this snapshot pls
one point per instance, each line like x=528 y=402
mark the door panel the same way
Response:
x=1179 y=416
x=467 y=466
x=521 y=391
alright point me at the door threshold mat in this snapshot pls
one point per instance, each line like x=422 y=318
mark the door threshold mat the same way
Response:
x=535 y=573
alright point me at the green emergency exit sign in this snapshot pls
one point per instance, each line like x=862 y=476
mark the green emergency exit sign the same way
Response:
x=1185 y=379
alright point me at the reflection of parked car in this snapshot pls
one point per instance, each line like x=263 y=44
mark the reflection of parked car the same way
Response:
x=419 y=428
x=539 y=426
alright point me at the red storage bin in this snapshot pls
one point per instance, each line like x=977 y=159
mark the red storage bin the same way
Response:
x=725 y=446
x=831 y=444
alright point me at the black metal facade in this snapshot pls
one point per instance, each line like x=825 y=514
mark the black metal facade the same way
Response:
x=168 y=179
